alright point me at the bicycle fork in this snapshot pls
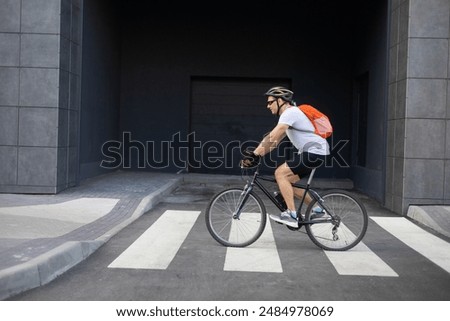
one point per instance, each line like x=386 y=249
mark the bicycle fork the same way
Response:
x=244 y=196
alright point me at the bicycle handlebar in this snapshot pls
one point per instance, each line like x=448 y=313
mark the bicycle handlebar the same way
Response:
x=251 y=167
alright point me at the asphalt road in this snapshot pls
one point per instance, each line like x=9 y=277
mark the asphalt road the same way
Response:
x=293 y=269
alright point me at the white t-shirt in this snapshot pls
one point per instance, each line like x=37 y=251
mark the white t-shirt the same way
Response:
x=304 y=138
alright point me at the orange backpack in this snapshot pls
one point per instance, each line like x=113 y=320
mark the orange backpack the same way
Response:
x=320 y=121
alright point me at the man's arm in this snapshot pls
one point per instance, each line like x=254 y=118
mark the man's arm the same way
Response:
x=272 y=140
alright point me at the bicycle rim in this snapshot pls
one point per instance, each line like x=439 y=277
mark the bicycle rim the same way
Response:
x=351 y=229
x=233 y=232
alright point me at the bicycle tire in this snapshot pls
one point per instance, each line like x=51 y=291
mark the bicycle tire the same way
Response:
x=232 y=232
x=351 y=229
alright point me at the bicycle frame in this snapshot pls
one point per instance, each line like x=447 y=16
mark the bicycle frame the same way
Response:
x=307 y=189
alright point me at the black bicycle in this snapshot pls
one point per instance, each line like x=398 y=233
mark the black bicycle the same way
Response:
x=236 y=217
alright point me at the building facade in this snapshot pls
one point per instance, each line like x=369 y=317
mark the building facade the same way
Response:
x=40 y=68
x=87 y=87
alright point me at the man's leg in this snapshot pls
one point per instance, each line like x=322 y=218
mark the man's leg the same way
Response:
x=285 y=177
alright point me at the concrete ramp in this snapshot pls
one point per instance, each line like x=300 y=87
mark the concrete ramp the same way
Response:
x=436 y=217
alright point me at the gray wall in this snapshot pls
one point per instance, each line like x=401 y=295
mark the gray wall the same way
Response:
x=418 y=153
x=39 y=94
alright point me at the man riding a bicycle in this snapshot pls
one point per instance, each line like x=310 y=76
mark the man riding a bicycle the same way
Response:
x=312 y=151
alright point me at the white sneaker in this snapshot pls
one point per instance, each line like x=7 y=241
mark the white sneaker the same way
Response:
x=287 y=217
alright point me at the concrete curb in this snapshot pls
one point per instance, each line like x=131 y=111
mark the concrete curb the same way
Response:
x=144 y=206
x=46 y=267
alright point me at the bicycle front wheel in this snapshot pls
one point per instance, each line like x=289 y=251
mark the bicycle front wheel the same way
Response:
x=347 y=231
x=230 y=229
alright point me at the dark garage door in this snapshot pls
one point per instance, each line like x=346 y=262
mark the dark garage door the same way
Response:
x=226 y=115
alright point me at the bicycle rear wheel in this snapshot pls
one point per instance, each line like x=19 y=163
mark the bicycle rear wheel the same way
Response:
x=345 y=234
x=228 y=230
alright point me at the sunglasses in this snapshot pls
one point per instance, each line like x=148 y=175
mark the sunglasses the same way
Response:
x=270 y=102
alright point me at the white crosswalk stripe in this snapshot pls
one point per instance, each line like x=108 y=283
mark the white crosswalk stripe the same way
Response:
x=430 y=246
x=361 y=261
x=261 y=256
x=159 y=244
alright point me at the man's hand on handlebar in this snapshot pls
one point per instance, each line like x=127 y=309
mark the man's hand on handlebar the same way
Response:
x=250 y=159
